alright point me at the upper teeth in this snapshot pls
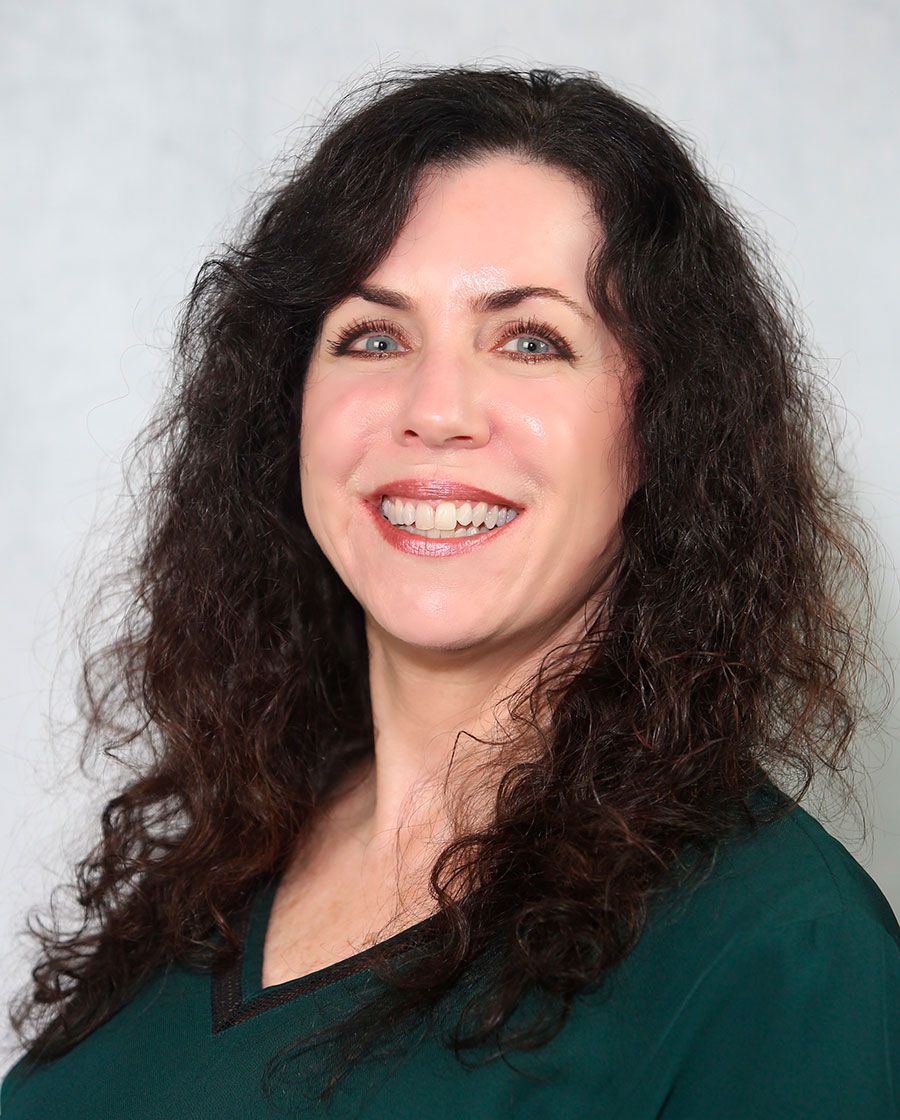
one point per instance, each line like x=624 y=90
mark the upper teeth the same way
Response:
x=444 y=515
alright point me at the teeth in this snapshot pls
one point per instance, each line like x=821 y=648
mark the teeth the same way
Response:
x=445 y=519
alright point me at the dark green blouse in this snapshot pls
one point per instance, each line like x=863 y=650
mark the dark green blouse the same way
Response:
x=771 y=990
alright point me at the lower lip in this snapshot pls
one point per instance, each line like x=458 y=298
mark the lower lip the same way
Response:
x=414 y=545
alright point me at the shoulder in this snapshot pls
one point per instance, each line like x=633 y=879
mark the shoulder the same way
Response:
x=769 y=987
x=782 y=872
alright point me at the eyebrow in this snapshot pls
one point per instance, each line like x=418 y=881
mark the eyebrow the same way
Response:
x=498 y=300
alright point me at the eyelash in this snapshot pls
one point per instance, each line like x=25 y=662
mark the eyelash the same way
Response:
x=530 y=327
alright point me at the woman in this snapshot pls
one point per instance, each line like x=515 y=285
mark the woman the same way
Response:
x=492 y=575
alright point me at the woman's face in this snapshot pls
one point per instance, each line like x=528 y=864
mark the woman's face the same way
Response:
x=454 y=397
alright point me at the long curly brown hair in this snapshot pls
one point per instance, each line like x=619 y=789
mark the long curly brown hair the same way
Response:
x=737 y=618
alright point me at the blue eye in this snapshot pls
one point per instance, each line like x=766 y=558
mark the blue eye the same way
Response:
x=378 y=336
x=530 y=329
x=530 y=339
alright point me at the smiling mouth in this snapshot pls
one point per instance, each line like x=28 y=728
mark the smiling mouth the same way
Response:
x=445 y=520
x=434 y=542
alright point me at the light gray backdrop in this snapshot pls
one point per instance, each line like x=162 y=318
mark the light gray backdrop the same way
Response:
x=133 y=133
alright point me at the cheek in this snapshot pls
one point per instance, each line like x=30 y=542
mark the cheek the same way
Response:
x=582 y=432
x=589 y=453
x=605 y=423
x=333 y=434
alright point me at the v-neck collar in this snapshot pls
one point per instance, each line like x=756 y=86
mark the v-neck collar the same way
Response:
x=237 y=993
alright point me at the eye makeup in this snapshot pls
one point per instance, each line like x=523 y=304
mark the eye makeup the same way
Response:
x=530 y=327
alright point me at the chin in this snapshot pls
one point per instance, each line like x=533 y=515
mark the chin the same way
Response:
x=434 y=636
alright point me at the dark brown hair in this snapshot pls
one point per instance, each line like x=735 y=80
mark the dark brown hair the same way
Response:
x=737 y=612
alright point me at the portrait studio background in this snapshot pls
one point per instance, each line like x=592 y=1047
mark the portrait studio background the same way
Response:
x=134 y=134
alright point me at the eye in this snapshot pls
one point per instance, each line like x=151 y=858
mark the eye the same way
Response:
x=377 y=327
x=530 y=329
x=537 y=332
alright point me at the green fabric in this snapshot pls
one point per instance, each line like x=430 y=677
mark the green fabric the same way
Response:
x=771 y=990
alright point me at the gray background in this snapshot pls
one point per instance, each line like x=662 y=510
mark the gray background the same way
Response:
x=133 y=135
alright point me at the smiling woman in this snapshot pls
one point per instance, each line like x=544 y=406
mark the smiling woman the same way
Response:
x=531 y=594
x=453 y=408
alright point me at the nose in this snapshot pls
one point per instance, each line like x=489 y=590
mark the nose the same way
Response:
x=440 y=404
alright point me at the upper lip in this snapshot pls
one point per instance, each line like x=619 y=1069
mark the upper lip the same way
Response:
x=439 y=489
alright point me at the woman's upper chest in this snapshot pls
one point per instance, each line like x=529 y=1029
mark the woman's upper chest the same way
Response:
x=333 y=905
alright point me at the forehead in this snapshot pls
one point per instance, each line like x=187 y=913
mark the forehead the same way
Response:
x=502 y=222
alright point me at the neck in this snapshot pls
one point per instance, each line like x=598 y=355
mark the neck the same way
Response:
x=422 y=766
